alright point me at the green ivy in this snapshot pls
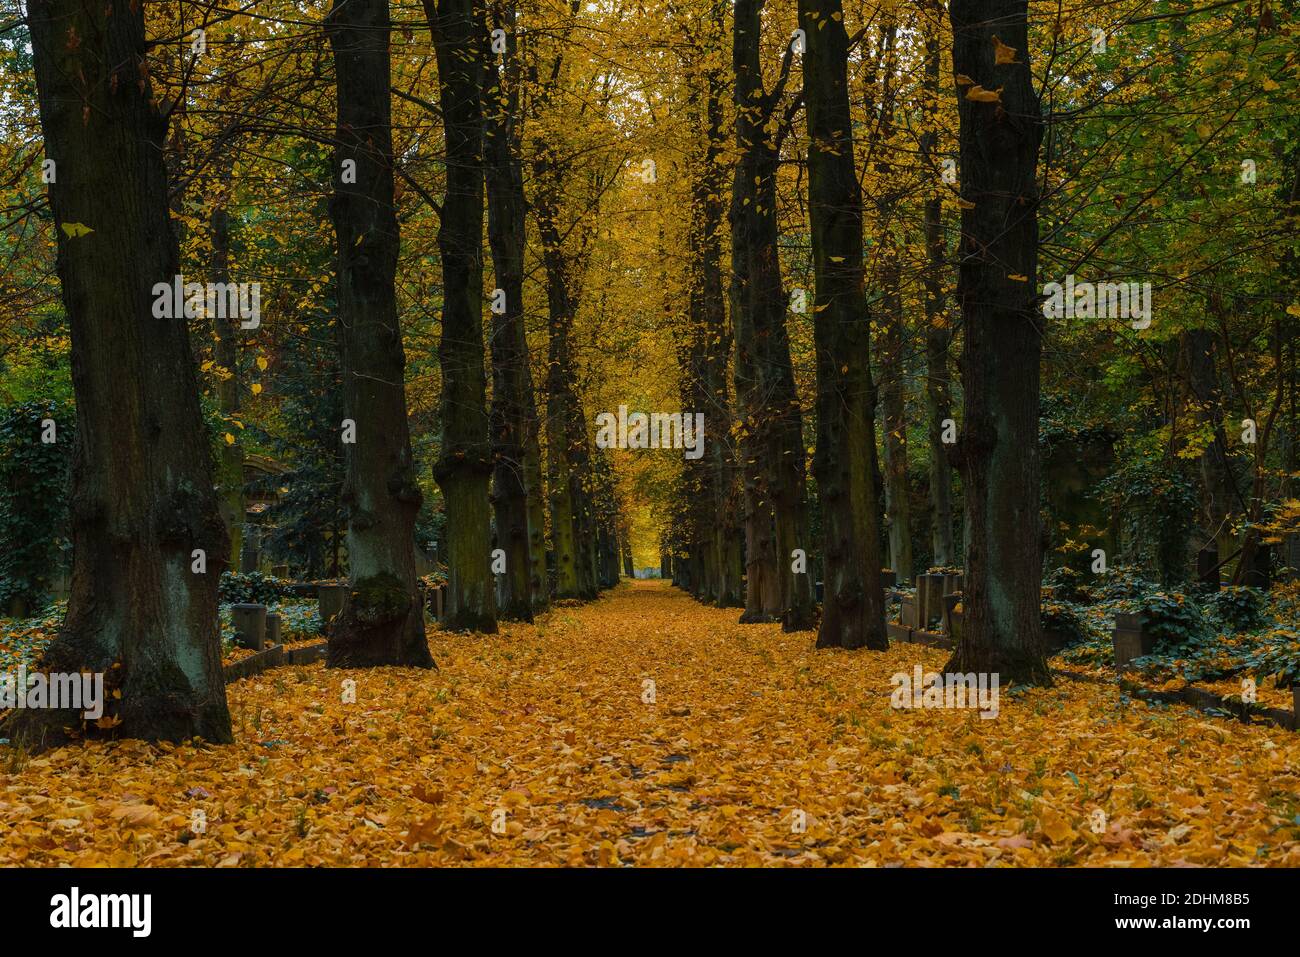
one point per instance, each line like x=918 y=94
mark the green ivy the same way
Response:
x=33 y=500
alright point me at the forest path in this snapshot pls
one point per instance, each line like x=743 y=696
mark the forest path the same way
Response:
x=756 y=749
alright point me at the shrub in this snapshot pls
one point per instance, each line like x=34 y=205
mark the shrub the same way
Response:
x=1063 y=625
x=1238 y=608
x=250 y=588
x=1173 y=620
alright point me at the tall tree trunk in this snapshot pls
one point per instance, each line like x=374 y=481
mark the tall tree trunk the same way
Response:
x=512 y=383
x=142 y=479
x=567 y=458
x=853 y=609
x=898 y=505
x=712 y=518
x=997 y=283
x=226 y=353
x=1200 y=370
x=772 y=448
x=625 y=547
x=561 y=480
x=938 y=336
x=465 y=467
x=382 y=622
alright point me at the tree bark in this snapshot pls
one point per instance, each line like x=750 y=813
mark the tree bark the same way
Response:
x=465 y=467
x=226 y=353
x=772 y=448
x=142 y=477
x=382 y=622
x=514 y=410
x=938 y=336
x=853 y=612
x=997 y=282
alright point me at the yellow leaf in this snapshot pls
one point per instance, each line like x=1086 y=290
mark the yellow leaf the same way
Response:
x=1003 y=53
x=257 y=388
x=230 y=439
x=1056 y=827
x=73 y=230
x=981 y=95
x=261 y=363
x=964 y=80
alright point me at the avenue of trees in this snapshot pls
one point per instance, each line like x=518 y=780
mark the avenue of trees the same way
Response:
x=477 y=224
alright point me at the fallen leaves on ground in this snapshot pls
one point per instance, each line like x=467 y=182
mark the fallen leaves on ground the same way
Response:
x=537 y=746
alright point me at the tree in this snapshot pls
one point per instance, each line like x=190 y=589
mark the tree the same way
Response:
x=382 y=622
x=853 y=610
x=772 y=449
x=514 y=408
x=148 y=542
x=465 y=467
x=997 y=453
x=938 y=335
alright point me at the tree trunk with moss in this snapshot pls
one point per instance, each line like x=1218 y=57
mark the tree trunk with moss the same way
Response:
x=512 y=383
x=382 y=622
x=465 y=467
x=938 y=334
x=143 y=607
x=853 y=613
x=772 y=449
x=997 y=452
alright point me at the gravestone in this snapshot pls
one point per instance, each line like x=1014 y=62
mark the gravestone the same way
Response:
x=820 y=591
x=1260 y=573
x=280 y=571
x=250 y=550
x=1207 y=565
x=922 y=599
x=273 y=629
x=1130 y=639
x=1291 y=554
x=907 y=613
x=932 y=609
x=331 y=599
x=250 y=625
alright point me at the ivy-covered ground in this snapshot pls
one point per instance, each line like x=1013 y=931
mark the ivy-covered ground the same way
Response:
x=547 y=744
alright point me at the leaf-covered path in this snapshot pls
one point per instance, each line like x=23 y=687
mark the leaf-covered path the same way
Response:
x=544 y=733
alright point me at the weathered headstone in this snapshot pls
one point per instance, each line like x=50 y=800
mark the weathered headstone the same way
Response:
x=907 y=613
x=250 y=551
x=1130 y=639
x=331 y=599
x=1291 y=554
x=932 y=610
x=922 y=599
x=280 y=571
x=273 y=629
x=1207 y=565
x=250 y=625
x=1260 y=572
